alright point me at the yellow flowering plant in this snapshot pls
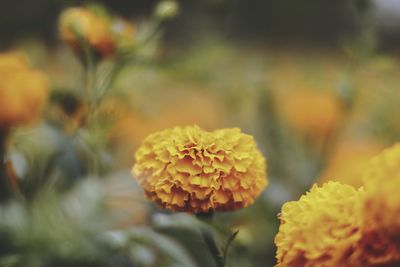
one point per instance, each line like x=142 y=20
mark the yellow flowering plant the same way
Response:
x=106 y=174
x=192 y=170
x=95 y=35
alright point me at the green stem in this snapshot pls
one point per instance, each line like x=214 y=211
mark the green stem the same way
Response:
x=213 y=248
x=90 y=62
x=110 y=80
x=89 y=76
x=5 y=186
x=210 y=241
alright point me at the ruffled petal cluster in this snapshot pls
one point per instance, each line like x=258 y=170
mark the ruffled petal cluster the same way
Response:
x=189 y=169
x=23 y=91
x=337 y=225
x=320 y=227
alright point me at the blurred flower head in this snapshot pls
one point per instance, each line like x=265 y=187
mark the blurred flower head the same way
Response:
x=380 y=241
x=311 y=113
x=320 y=228
x=189 y=169
x=80 y=26
x=23 y=91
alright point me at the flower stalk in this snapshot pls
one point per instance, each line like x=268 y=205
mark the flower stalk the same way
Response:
x=89 y=65
x=109 y=80
x=209 y=240
x=5 y=186
x=213 y=248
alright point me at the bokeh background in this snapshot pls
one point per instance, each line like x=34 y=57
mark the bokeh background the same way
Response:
x=315 y=81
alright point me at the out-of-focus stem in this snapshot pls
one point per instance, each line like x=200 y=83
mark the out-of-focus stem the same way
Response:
x=89 y=64
x=90 y=61
x=109 y=80
x=271 y=128
x=5 y=186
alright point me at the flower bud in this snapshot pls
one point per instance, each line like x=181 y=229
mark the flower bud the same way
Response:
x=167 y=9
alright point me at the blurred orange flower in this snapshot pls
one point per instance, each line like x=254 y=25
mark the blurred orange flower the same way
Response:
x=79 y=24
x=23 y=91
x=104 y=34
x=311 y=113
x=189 y=169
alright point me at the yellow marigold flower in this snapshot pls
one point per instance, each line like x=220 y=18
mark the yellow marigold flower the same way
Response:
x=23 y=91
x=381 y=237
x=79 y=24
x=320 y=228
x=189 y=169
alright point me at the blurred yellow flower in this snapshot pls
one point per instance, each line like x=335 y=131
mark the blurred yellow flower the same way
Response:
x=311 y=113
x=320 y=228
x=189 y=169
x=347 y=164
x=382 y=205
x=382 y=181
x=79 y=24
x=23 y=91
